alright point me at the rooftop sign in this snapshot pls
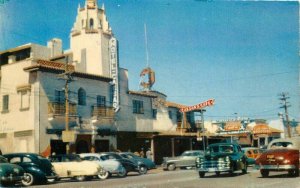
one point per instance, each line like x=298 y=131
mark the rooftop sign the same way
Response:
x=209 y=102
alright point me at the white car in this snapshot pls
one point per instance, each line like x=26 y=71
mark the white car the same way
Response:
x=71 y=166
x=111 y=166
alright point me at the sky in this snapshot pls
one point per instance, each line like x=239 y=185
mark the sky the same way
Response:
x=243 y=54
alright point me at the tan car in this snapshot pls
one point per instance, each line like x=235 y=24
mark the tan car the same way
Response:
x=71 y=166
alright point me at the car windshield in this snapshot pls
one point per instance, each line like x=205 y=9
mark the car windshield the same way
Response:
x=221 y=149
x=3 y=160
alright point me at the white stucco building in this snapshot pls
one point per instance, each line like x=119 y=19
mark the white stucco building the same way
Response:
x=103 y=111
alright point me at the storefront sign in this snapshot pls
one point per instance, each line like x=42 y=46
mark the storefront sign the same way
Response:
x=209 y=102
x=68 y=136
x=233 y=126
x=114 y=71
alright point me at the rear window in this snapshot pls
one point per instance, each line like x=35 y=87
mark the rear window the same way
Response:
x=282 y=145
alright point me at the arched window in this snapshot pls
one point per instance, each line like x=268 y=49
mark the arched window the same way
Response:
x=91 y=23
x=81 y=97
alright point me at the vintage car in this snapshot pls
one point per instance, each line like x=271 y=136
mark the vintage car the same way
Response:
x=10 y=174
x=186 y=159
x=282 y=155
x=72 y=166
x=110 y=166
x=144 y=163
x=252 y=153
x=128 y=165
x=37 y=168
x=222 y=157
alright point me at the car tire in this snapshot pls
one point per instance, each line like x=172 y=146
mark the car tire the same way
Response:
x=264 y=173
x=122 y=174
x=143 y=169
x=201 y=174
x=103 y=175
x=244 y=170
x=28 y=179
x=171 y=167
x=80 y=178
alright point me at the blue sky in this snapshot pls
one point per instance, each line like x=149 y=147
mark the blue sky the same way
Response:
x=242 y=54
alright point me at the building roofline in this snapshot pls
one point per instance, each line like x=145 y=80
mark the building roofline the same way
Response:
x=56 y=67
x=28 y=45
x=142 y=93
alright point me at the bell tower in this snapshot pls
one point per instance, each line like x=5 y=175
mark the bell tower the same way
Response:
x=89 y=39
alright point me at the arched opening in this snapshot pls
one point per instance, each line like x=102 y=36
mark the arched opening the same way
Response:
x=81 y=97
x=82 y=147
x=91 y=23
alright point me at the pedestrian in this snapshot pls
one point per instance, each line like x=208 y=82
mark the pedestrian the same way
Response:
x=142 y=153
x=149 y=154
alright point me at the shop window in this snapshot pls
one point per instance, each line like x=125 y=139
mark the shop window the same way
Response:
x=137 y=107
x=81 y=97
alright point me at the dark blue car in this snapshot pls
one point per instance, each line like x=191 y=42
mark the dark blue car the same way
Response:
x=38 y=170
x=144 y=163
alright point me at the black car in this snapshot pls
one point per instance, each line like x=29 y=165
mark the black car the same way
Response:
x=10 y=174
x=130 y=166
x=144 y=163
x=37 y=168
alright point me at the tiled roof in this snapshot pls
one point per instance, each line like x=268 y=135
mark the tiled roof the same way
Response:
x=142 y=93
x=60 y=67
x=175 y=105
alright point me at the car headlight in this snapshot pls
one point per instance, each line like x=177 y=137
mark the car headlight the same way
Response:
x=16 y=170
x=227 y=159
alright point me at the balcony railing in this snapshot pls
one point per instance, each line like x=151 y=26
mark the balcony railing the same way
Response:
x=56 y=108
x=103 y=112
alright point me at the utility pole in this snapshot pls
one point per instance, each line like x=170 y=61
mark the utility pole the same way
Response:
x=286 y=105
x=67 y=76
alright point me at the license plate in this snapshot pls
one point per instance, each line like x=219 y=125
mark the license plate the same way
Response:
x=211 y=169
x=270 y=156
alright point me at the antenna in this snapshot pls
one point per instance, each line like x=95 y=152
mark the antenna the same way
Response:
x=146 y=44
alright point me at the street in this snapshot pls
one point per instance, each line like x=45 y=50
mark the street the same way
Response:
x=187 y=178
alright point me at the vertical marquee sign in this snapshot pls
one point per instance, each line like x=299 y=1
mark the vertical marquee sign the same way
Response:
x=114 y=71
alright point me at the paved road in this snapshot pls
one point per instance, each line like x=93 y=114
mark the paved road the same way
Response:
x=186 y=179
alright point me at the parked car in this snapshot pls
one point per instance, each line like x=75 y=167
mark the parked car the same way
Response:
x=37 y=168
x=128 y=165
x=186 y=159
x=281 y=155
x=110 y=166
x=222 y=157
x=71 y=166
x=10 y=174
x=144 y=163
x=252 y=153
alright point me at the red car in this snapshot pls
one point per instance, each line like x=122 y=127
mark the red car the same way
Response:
x=282 y=155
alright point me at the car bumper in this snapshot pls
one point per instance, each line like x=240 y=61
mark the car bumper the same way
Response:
x=11 y=178
x=214 y=169
x=274 y=167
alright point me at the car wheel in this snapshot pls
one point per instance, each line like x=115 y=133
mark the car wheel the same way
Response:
x=28 y=179
x=80 y=178
x=143 y=169
x=103 y=175
x=217 y=173
x=201 y=174
x=123 y=173
x=171 y=167
x=264 y=173
x=244 y=170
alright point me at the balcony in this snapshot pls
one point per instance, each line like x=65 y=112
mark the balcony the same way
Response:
x=103 y=112
x=59 y=109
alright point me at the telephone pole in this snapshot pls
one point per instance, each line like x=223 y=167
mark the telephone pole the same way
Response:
x=67 y=76
x=286 y=105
